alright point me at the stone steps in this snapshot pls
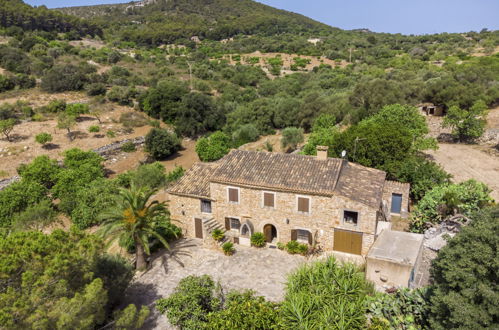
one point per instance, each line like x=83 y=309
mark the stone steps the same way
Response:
x=210 y=225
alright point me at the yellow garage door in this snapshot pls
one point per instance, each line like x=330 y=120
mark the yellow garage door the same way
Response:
x=347 y=241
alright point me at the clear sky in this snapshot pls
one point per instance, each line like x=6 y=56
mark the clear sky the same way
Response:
x=394 y=16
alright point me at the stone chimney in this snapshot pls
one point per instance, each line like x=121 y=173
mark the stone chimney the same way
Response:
x=322 y=152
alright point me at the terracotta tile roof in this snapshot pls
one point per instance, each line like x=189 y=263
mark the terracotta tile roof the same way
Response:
x=287 y=172
x=195 y=182
x=361 y=184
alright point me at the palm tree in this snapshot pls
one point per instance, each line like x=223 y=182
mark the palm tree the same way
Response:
x=133 y=216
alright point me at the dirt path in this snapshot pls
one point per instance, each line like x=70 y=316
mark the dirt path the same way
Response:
x=468 y=162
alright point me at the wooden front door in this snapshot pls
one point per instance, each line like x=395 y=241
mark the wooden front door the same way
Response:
x=270 y=233
x=347 y=241
x=198 y=227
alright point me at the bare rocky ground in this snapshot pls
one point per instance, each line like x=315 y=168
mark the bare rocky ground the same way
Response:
x=262 y=270
x=469 y=161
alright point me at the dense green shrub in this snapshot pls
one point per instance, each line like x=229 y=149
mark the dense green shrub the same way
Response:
x=228 y=248
x=175 y=174
x=449 y=199
x=294 y=247
x=199 y=303
x=43 y=138
x=41 y=170
x=17 y=197
x=213 y=147
x=325 y=295
x=245 y=134
x=257 y=240
x=291 y=137
x=6 y=83
x=244 y=310
x=94 y=129
x=464 y=293
x=55 y=106
x=128 y=147
x=90 y=200
x=191 y=302
x=121 y=95
x=160 y=143
x=422 y=174
x=35 y=217
x=404 y=309
x=149 y=175
x=63 y=78
x=95 y=89
x=467 y=124
x=68 y=283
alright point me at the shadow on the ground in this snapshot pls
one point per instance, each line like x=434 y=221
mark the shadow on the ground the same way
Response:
x=18 y=137
x=85 y=118
x=51 y=146
x=178 y=249
x=142 y=294
x=78 y=135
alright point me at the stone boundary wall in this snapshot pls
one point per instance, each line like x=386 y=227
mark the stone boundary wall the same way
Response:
x=110 y=149
x=4 y=183
x=105 y=151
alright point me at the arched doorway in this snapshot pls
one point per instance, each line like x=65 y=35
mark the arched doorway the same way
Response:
x=270 y=233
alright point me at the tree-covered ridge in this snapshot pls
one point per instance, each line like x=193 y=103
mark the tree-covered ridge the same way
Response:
x=167 y=21
x=254 y=26
x=17 y=13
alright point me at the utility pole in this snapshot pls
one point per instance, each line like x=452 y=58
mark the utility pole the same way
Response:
x=355 y=146
x=189 y=64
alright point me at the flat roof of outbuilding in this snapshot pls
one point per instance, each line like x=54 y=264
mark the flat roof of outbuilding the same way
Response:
x=397 y=246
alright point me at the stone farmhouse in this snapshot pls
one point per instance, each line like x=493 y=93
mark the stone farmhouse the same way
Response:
x=334 y=203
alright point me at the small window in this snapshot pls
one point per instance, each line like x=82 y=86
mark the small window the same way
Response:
x=350 y=217
x=303 y=204
x=245 y=231
x=205 y=206
x=396 y=203
x=268 y=199
x=235 y=223
x=233 y=195
x=302 y=235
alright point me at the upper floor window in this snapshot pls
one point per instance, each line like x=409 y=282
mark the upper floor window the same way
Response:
x=233 y=194
x=396 y=203
x=268 y=199
x=350 y=217
x=205 y=206
x=303 y=204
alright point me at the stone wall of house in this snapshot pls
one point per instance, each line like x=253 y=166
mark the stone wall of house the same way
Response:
x=326 y=214
x=394 y=187
x=183 y=210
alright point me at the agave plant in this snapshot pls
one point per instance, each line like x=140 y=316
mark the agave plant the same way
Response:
x=134 y=216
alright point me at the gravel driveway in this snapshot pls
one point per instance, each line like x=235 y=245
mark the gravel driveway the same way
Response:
x=262 y=270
